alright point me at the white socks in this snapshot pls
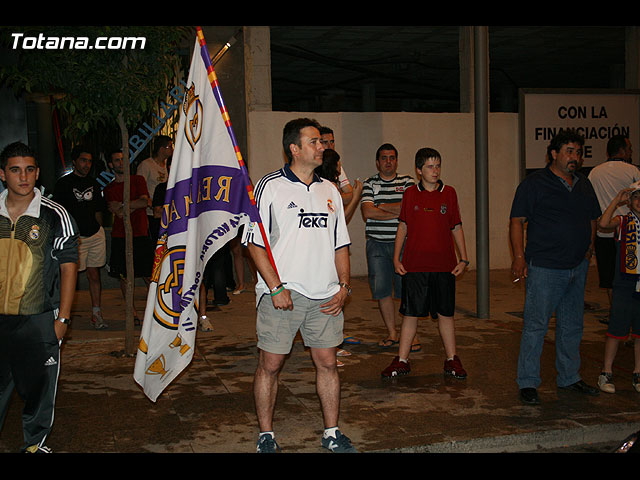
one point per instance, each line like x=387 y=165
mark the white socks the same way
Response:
x=330 y=432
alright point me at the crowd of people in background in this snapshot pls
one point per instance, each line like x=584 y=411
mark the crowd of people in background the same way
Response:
x=415 y=250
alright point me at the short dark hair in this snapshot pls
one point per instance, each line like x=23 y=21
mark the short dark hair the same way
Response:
x=425 y=154
x=111 y=152
x=78 y=150
x=615 y=144
x=385 y=146
x=159 y=142
x=325 y=131
x=562 y=138
x=16 y=149
x=291 y=133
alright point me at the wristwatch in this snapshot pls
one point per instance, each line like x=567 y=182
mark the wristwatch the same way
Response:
x=66 y=321
x=347 y=286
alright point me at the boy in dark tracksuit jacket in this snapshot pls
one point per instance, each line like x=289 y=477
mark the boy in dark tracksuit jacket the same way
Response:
x=38 y=255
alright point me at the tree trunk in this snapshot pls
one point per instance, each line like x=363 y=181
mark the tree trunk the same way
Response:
x=129 y=340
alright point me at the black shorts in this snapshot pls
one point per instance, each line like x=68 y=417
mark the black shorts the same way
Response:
x=428 y=293
x=605 y=249
x=142 y=257
x=625 y=313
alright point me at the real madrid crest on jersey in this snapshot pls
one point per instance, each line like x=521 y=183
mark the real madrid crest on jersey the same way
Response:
x=34 y=233
x=192 y=108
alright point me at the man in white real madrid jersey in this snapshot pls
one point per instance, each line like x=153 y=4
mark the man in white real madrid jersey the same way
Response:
x=307 y=233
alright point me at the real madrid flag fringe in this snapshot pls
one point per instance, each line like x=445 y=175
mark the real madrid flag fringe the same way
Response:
x=209 y=197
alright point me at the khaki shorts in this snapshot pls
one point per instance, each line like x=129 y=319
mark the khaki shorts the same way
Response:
x=92 y=251
x=277 y=329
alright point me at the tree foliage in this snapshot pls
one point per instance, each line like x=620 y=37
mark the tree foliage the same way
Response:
x=97 y=88
x=93 y=86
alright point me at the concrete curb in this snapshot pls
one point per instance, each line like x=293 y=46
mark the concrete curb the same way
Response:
x=529 y=442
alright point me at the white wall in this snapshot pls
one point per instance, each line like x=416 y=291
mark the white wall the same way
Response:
x=358 y=136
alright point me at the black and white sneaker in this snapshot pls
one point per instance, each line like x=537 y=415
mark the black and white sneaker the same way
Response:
x=267 y=444
x=338 y=444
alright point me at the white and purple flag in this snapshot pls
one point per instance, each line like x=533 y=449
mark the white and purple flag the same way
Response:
x=209 y=198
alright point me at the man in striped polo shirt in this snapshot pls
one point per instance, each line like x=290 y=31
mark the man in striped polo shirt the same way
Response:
x=380 y=202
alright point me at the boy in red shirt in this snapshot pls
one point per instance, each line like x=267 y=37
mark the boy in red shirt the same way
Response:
x=431 y=224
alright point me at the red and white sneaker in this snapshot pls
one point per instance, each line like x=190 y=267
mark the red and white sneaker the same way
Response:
x=397 y=368
x=454 y=368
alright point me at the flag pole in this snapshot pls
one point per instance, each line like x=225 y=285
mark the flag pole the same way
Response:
x=213 y=80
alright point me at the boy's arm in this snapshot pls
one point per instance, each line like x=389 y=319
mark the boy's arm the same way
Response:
x=140 y=202
x=607 y=220
x=351 y=207
x=458 y=238
x=401 y=234
x=346 y=192
x=68 y=275
x=65 y=251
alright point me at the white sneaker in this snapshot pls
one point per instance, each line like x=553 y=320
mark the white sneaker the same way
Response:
x=605 y=383
x=204 y=324
x=38 y=449
x=342 y=353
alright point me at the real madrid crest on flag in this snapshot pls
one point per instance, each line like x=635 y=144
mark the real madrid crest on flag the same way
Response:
x=208 y=198
x=192 y=108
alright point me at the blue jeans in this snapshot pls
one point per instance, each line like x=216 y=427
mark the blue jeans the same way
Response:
x=383 y=279
x=552 y=290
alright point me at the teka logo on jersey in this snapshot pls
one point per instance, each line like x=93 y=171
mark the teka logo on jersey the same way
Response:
x=313 y=220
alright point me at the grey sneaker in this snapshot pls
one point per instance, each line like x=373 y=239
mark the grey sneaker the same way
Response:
x=605 y=382
x=204 y=324
x=636 y=382
x=338 y=444
x=98 y=322
x=267 y=444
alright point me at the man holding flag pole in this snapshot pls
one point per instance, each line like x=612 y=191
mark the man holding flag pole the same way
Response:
x=305 y=283
x=209 y=198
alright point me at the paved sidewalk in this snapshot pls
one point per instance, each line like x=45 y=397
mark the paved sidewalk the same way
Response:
x=209 y=408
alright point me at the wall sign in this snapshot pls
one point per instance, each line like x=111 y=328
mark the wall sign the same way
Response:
x=595 y=114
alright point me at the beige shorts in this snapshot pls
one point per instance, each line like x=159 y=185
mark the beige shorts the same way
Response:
x=276 y=329
x=92 y=251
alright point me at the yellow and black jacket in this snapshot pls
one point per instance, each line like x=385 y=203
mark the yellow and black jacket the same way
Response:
x=31 y=251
